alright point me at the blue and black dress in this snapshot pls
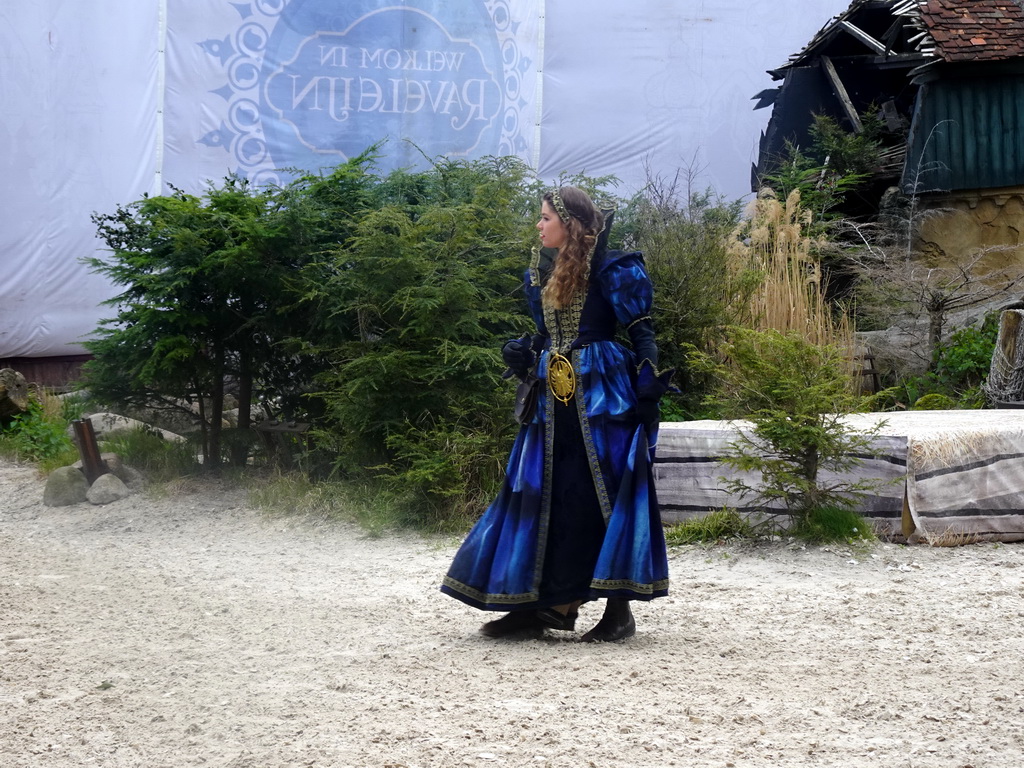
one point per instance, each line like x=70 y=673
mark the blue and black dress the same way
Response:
x=577 y=517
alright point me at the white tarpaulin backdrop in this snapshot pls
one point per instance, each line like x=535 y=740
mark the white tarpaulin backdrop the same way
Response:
x=107 y=100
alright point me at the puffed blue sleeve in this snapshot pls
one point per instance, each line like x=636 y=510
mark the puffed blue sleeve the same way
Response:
x=626 y=286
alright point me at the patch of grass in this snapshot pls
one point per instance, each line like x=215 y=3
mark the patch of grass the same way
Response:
x=159 y=460
x=73 y=406
x=832 y=524
x=719 y=525
x=953 y=537
x=376 y=507
x=65 y=457
x=293 y=493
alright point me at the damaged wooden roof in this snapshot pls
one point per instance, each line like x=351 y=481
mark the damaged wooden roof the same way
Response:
x=945 y=76
x=850 y=25
x=949 y=30
x=972 y=30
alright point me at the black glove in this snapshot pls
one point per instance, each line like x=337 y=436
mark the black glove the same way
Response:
x=648 y=412
x=641 y=336
x=518 y=356
x=650 y=384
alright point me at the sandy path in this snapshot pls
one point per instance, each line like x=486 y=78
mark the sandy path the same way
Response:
x=193 y=631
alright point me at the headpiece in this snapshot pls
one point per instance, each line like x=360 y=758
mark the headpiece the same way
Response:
x=560 y=209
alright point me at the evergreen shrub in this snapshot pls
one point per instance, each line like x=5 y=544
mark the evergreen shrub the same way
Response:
x=427 y=291
x=795 y=393
x=373 y=307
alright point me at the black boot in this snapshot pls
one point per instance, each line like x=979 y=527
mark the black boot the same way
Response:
x=553 y=619
x=512 y=623
x=616 y=624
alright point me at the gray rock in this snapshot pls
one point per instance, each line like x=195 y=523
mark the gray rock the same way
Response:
x=64 y=487
x=13 y=393
x=903 y=348
x=107 y=424
x=108 y=488
x=130 y=476
x=114 y=463
x=898 y=350
x=181 y=420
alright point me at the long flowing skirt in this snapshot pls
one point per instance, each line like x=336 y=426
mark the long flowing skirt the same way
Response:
x=576 y=519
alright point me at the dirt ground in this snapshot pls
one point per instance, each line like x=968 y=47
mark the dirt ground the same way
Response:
x=191 y=630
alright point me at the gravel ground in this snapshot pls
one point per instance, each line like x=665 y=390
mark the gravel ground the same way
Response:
x=192 y=630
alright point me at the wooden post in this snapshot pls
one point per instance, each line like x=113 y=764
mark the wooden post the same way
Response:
x=840 y=91
x=92 y=465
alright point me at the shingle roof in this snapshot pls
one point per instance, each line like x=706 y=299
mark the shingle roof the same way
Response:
x=973 y=30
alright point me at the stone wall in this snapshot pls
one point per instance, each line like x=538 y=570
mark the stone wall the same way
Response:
x=968 y=221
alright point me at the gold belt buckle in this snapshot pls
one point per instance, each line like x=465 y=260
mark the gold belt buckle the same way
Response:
x=561 y=377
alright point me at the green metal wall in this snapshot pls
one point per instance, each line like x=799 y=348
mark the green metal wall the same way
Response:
x=967 y=134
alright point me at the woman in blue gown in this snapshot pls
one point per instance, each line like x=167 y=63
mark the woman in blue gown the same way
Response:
x=577 y=518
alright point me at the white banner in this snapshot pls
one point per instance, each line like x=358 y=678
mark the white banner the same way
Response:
x=665 y=85
x=107 y=100
x=78 y=127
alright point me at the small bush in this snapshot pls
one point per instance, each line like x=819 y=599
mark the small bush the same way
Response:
x=836 y=165
x=423 y=294
x=794 y=393
x=454 y=472
x=934 y=401
x=719 y=525
x=39 y=434
x=964 y=360
x=673 y=408
x=73 y=406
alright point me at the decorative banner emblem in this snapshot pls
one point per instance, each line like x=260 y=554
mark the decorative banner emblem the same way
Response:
x=393 y=73
x=315 y=82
